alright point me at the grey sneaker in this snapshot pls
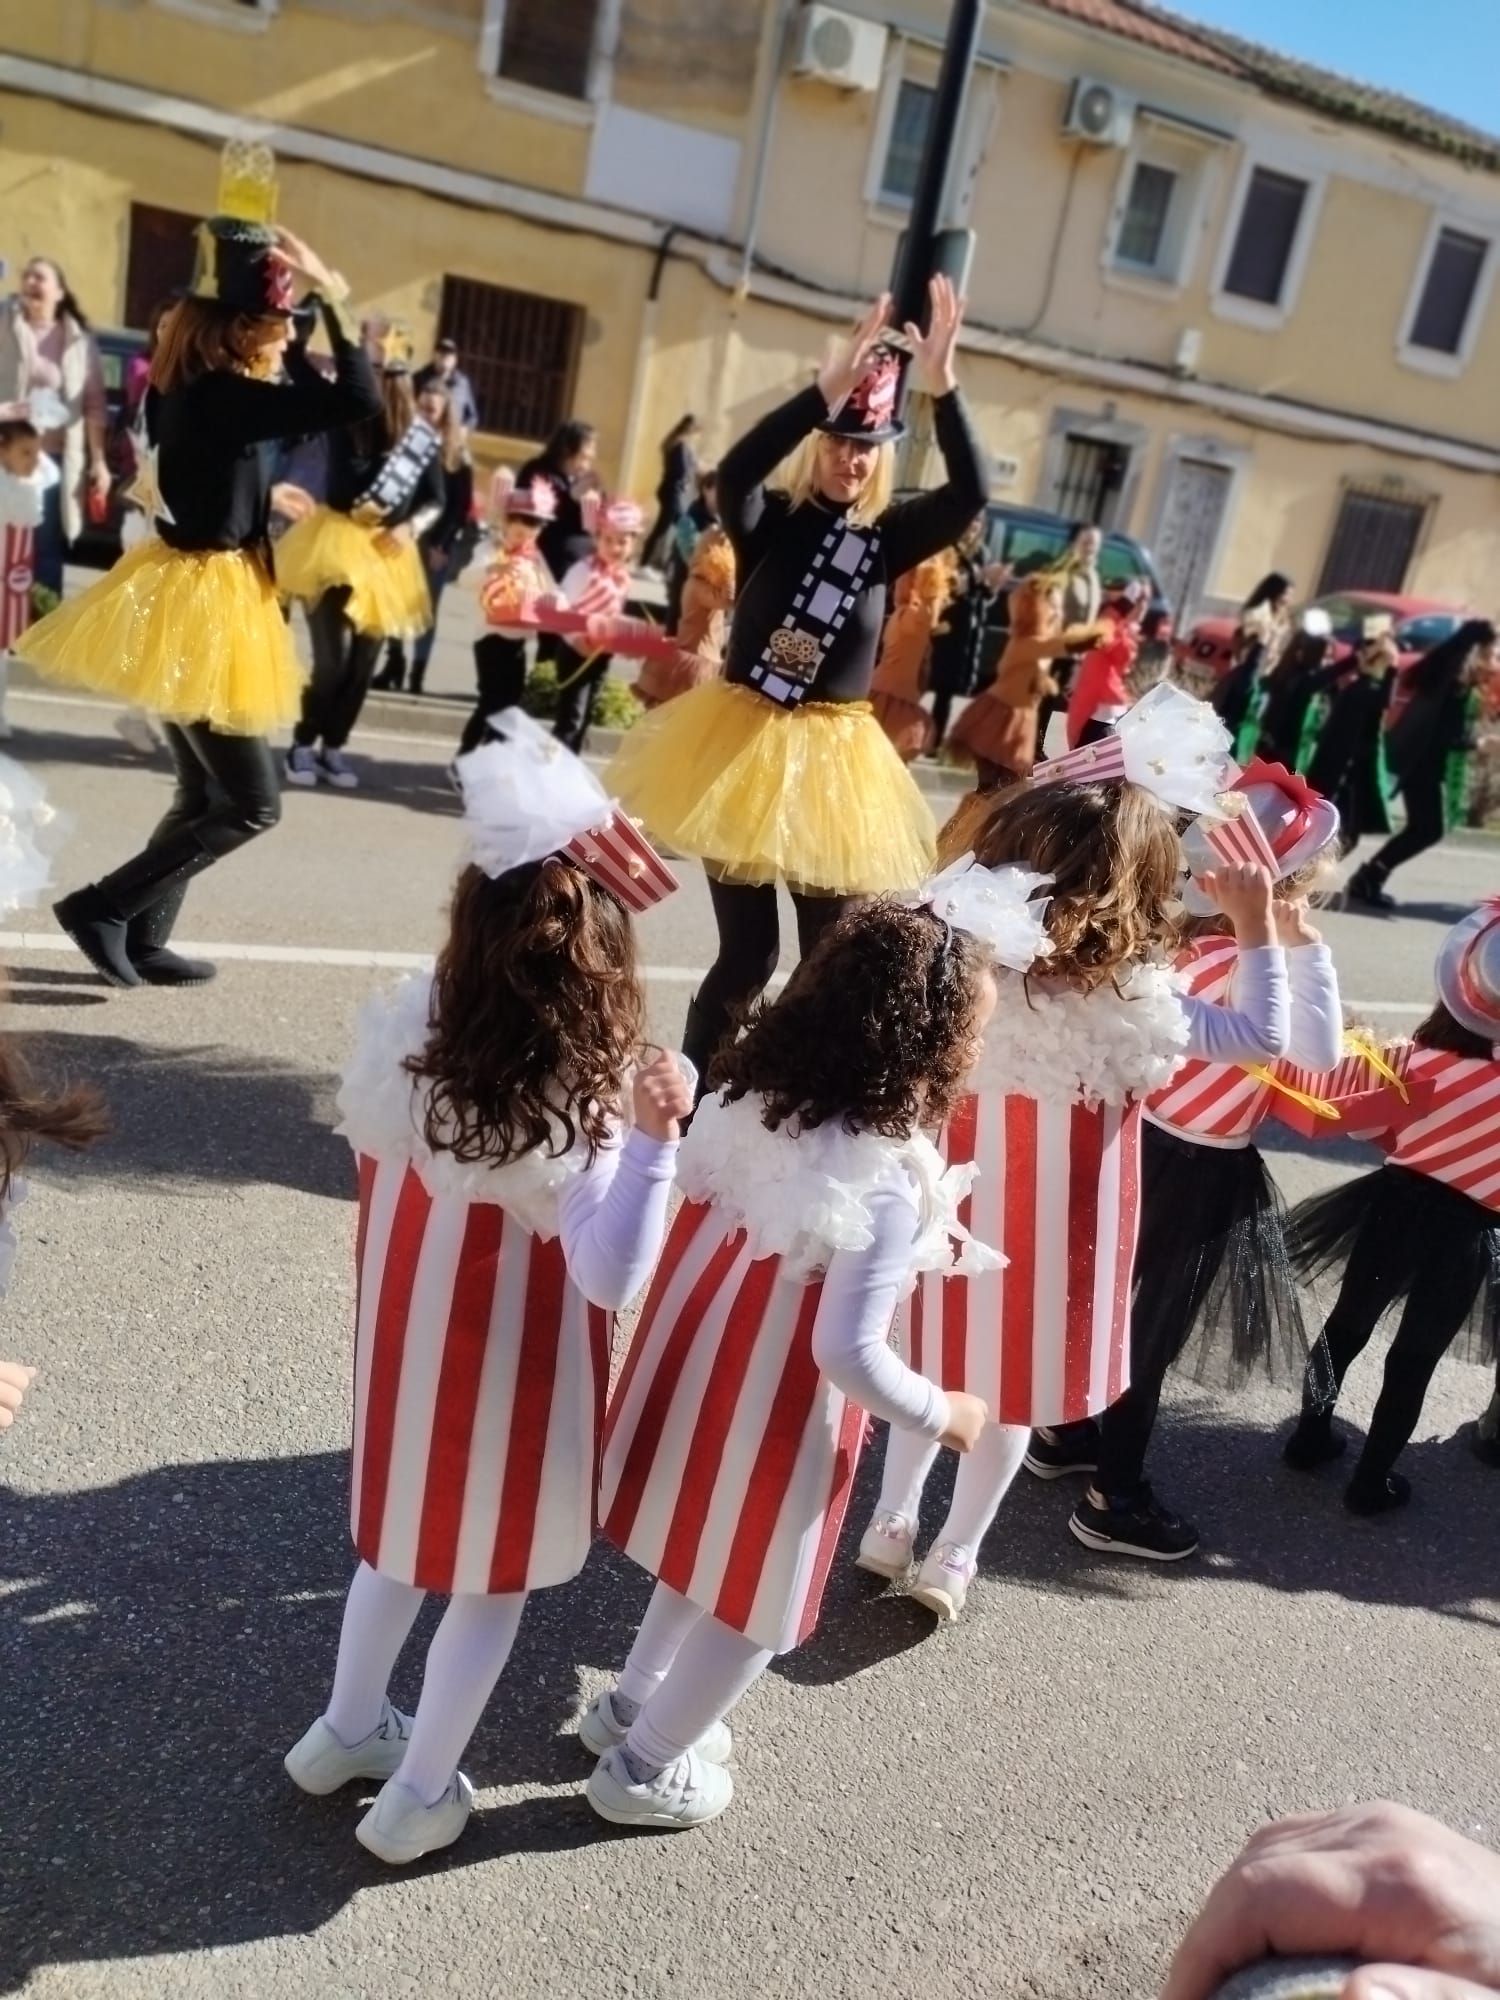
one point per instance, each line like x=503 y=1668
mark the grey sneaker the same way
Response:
x=943 y=1581
x=687 y=1793
x=601 y=1729
x=336 y=768
x=399 y=1828
x=301 y=766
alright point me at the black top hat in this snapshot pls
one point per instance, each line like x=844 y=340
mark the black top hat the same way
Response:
x=868 y=412
x=235 y=269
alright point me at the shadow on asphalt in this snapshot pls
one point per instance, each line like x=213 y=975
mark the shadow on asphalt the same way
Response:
x=183 y=1117
x=1446 y=914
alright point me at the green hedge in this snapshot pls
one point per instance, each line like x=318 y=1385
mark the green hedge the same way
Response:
x=614 y=708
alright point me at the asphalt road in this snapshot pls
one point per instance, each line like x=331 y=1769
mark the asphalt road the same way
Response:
x=1027 y=1804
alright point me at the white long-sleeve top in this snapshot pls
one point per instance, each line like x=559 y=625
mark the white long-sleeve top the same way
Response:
x=612 y=1218
x=1258 y=1026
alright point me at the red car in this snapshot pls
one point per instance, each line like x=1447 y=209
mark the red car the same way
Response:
x=1420 y=623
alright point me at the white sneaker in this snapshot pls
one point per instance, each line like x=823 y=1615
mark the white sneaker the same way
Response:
x=601 y=1729
x=137 y=729
x=687 y=1793
x=301 y=766
x=399 y=1828
x=943 y=1580
x=885 y=1548
x=320 y=1762
x=336 y=768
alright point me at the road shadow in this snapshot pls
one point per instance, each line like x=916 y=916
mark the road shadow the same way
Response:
x=183 y=1118
x=1446 y=914
x=166 y=1639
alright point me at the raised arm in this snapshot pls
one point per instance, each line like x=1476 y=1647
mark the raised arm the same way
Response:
x=1317 y=1035
x=1256 y=1030
x=913 y=530
x=747 y=465
x=251 y=412
x=851 y=1335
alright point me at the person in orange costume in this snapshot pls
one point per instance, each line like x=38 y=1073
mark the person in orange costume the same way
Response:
x=998 y=731
x=922 y=596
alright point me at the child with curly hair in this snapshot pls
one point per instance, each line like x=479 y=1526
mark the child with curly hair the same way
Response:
x=733 y=1436
x=504 y=1215
x=1076 y=1044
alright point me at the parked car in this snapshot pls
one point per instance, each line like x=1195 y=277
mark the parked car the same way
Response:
x=1029 y=539
x=99 y=544
x=1420 y=623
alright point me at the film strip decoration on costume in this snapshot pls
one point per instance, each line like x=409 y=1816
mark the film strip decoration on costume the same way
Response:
x=796 y=650
x=399 y=476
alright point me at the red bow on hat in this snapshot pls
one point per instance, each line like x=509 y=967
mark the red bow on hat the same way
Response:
x=875 y=395
x=1289 y=783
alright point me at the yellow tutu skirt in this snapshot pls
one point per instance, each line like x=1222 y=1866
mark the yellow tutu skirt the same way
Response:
x=388 y=594
x=814 y=795
x=191 y=635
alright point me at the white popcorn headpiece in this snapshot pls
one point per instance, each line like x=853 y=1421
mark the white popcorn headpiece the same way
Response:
x=994 y=905
x=1170 y=745
x=31 y=832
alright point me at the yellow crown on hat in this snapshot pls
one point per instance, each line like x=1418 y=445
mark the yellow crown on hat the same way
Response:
x=247 y=181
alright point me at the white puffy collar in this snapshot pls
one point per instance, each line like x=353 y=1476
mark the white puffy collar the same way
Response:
x=801 y=1196
x=1062 y=1046
x=380 y=1113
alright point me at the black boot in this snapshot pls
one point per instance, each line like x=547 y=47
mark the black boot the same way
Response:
x=146 y=943
x=100 y=932
x=1366 y=885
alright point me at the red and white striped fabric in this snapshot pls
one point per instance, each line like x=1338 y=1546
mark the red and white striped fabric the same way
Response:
x=1047 y=1339
x=595 y=590
x=1216 y=1102
x=479 y=1385
x=1454 y=1132
x=1240 y=840
x=728 y=1455
x=17 y=552
x=622 y=860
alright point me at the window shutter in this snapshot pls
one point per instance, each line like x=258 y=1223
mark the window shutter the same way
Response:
x=1448 y=295
x=519 y=351
x=549 y=44
x=1267 y=231
x=908 y=141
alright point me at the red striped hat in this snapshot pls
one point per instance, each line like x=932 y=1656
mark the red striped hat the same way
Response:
x=1468 y=971
x=1275 y=820
x=527 y=796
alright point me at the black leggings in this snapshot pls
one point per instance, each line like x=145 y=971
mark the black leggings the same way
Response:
x=749 y=948
x=1425 y=825
x=343 y=666
x=942 y=712
x=500 y=669
x=227 y=793
x=579 y=678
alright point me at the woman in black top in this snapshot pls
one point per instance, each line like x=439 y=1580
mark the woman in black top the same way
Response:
x=188 y=623
x=1348 y=763
x=1432 y=728
x=356 y=563
x=567 y=466
x=676 y=490
x=780 y=770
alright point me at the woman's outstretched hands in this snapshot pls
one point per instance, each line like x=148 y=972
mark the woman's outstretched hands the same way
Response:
x=845 y=367
x=933 y=350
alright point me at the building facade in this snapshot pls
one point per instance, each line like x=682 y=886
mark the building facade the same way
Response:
x=1235 y=307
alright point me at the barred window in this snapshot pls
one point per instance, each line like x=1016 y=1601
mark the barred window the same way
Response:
x=159 y=261
x=549 y=44
x=519 y=351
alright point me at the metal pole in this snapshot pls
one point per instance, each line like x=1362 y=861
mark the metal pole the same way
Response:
x=914 y=257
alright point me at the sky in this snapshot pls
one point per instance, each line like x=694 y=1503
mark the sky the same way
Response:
x=1445 y=53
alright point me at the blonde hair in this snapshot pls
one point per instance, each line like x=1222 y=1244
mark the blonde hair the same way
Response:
x=799 y=480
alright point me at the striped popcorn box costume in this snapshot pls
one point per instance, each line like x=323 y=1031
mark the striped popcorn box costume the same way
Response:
x=1422 y=1232
x=486 y=1289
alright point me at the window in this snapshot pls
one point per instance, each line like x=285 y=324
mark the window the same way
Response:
x=519 y=351
x=908 y=141
x=1447 y=299
x=1147 y=206
x=159 y=261
x=1374 y=540
x=1267 y=234
x=548 y=44
x=1090 y=477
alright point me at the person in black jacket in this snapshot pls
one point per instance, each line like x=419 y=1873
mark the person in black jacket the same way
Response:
x=677 y=489
x=357 y=566
x=1348 y=765
x=958 y=645
x=1432 y=727
x=567 y=465
x=446 y=546
x=780 y=770
x=188 y=623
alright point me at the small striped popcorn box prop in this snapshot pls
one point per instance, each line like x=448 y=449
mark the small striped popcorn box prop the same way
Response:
x=1366 y=1089
x=622 y=860
x=1240 y=840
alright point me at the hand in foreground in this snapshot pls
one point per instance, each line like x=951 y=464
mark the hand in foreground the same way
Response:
x=15 y=1379
x=662 y=1096
x=291 y=502
x=845 y=367
x=390 y=540
x=967 y=1417
x=100 y=479
x=933 y=350
x=1375 y=1882
x=1293 y=925
x=304 y=262
x=1243 y=892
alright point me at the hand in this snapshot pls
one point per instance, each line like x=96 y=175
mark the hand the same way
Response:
x=15 y=1379
x=1243 y=893
x=997 y=575
x=305 y=263
x=967 y=1417
x=662 y=1097
x=390 y=541
x=99 y=478
x=1293 y=926
x=290 y=501
x=1376 y=1882
x=933 y=351
x=845 y=367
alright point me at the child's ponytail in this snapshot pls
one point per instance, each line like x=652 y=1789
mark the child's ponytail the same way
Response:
x=74 y=1118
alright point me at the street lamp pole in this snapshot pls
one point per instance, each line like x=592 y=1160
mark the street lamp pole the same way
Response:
x=916 y=254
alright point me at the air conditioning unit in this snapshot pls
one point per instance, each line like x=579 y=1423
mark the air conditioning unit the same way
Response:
x=1098 y=113
x=839 y=49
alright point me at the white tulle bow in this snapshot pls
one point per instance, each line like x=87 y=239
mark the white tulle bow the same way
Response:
x=994 y=905
x=1169 y=744
x=31 y=833
x=526 y=796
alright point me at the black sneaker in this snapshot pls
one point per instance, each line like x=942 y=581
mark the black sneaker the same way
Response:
x=1314 y=1442
x=1053 y=1454
x=1377 y=1496
x=1143 y=1527
x=1364 y=887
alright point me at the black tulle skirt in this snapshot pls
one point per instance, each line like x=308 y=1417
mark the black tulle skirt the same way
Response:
x=1397 y=1236
x=1214 y=1292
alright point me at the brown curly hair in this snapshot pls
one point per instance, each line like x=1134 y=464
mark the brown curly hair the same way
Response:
x=874 y=1029
x=73 y=1117
x=1114 y=857
x=536 y=1015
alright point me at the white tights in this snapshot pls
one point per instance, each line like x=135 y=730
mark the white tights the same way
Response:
x=686 y=1670
x=984 y=1478
x=464 y=1661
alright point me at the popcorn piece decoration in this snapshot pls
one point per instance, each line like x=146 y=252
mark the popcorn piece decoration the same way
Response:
x=1170 y=745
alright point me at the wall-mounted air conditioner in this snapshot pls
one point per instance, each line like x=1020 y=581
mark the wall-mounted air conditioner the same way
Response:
x=832 y=47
